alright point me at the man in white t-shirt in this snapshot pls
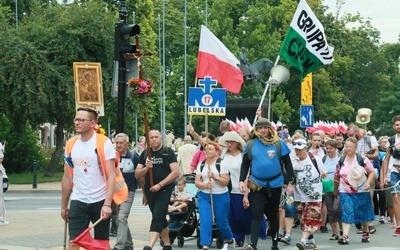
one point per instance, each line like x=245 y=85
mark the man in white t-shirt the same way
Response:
x=391 y=165
x=92 y=190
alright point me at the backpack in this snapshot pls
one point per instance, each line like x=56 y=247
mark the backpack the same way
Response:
x=367 y=139
x=360 y=160
x=218 y=167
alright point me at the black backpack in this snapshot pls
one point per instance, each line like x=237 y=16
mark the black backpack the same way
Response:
x=360 y=160
x=218 y=166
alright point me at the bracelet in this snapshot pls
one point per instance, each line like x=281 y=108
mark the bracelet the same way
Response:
x=160 y=184
x=105 y=205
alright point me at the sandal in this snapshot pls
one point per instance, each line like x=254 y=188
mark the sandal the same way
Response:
x=372 y=229
x=344 y=240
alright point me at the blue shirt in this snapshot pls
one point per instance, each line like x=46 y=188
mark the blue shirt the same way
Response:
x=266 y=164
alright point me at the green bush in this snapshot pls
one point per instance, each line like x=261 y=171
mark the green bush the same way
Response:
x=21 y=149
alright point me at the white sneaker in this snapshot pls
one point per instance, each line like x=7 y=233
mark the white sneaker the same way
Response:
x=232 y=245
x=229 y=246
x=247 y=239
x=2 y=223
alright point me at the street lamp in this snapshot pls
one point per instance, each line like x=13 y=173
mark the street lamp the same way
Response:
x=279 y=74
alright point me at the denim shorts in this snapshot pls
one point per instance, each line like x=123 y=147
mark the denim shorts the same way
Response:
x=394 y=178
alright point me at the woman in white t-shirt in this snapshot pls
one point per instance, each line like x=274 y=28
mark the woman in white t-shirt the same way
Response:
x=213 y=196
x=240 y=215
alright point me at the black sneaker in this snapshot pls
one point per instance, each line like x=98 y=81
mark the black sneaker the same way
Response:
x=323 y=229
x=167 y=248
x=147 y=248
x=113 y=232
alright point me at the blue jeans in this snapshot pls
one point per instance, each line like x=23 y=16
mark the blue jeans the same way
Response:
x=221 y=212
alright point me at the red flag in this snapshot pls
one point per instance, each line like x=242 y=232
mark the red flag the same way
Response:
x=216 y=61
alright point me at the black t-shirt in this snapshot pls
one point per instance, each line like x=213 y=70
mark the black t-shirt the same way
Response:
x=161 y=161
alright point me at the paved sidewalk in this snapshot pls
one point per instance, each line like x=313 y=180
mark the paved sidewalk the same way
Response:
x=39 y=230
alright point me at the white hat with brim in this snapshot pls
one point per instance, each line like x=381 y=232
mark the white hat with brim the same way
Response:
x=231 y=136
x=356 y=176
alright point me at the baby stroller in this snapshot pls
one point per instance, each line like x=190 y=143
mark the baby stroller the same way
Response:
x=183 y=224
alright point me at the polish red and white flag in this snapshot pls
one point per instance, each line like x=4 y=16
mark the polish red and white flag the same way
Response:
x=216 y=61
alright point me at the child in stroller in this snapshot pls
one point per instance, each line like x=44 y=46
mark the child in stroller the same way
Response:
x=180 y=197
x=182 y=212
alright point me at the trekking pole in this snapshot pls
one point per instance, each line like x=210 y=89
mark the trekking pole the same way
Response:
x=65 y=236
x=211 y=197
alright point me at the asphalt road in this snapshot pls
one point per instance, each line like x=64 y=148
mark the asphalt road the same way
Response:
x=43 y=208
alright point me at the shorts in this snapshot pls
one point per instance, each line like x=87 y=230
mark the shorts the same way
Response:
x=388 y=196
x=81 y=214
x=394 y=178
x=333 y=207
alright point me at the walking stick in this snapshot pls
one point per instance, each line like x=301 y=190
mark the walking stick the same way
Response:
x=146 y=128
x=65 y=236
x=211 y=196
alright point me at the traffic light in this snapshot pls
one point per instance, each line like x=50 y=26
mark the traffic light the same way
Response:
x=122 y=44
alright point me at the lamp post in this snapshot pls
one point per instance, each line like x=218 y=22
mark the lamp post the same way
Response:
x=185 y=81
x=16 y=14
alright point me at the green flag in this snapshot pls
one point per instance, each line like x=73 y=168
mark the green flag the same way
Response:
x=305 y=46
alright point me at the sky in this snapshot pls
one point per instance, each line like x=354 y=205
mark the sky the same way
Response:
x=384 y=14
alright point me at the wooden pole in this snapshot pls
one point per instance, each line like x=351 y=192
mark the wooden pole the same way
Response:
x=146 y=128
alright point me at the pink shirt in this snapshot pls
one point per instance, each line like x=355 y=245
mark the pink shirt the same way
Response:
x=344 y=184
x=198 y=157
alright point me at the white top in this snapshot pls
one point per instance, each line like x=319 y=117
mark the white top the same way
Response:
x=234 y=163
x=319 y=152
x=216 y=187
x=2 y=156
x=299 y=195
x=390 y=166
x=330 y=164
x=89 y=179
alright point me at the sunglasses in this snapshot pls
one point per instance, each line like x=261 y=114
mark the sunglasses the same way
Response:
x=299 y=144
x=229 y=142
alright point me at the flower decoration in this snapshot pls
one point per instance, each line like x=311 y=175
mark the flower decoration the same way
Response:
x=99 y=129
x=140 y=87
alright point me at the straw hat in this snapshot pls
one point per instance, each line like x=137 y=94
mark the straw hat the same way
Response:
x=356 y=177
x=231 y=136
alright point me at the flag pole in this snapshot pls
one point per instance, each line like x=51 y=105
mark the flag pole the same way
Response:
x=266 y=89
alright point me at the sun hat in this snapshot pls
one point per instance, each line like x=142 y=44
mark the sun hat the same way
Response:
x=231 y=136
x=299 y=144
x=356 y=176
x=262 y=122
